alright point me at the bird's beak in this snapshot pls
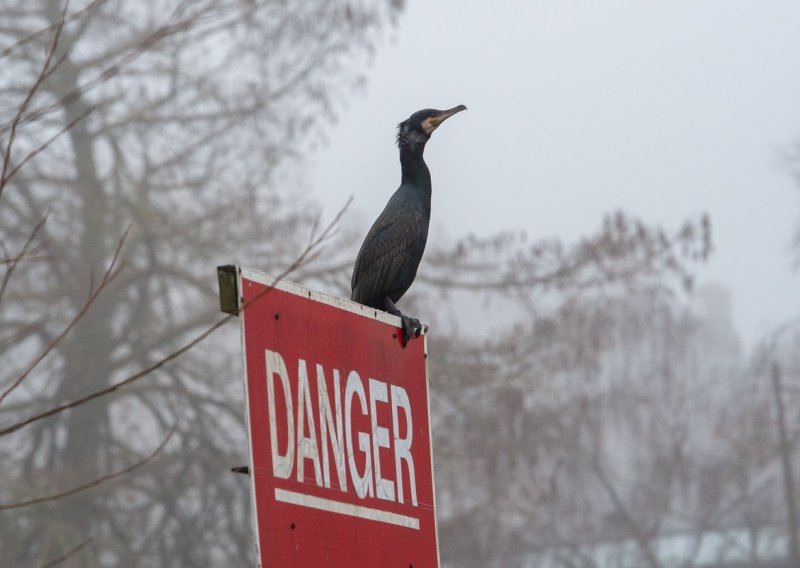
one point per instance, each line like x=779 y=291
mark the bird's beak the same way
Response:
x=440 y=118
x=432 y=123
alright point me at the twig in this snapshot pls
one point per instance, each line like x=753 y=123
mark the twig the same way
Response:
x=47 y=70
x=12 y=263
x=129 y=55
x=639 y=533
x=305 y=256
x=31 y=155
x=68 y=554
x=27 y=258
x=109 y=275
x=90 y=484
x=35 y=35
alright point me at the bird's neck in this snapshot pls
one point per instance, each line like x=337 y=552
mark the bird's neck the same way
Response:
x=414 y=169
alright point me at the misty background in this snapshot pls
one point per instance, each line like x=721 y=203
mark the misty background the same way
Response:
x=610 y=277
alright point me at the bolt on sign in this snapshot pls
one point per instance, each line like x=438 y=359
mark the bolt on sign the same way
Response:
x=339 y=427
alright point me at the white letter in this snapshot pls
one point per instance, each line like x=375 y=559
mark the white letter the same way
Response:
x=362 y=484
x=326 y=425
x=402 y=446
x=306 y=446
x=380 y=439
x=281 y=464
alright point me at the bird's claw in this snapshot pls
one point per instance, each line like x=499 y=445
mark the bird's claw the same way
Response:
x=411 y=328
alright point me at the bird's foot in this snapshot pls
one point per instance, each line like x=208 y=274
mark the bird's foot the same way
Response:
x=411 y=328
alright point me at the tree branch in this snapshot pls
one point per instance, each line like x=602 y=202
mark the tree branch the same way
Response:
x=90 y=484
x=109 y=275
x=33 y=153
x=46 y=71
x=12 y=262
x=637 y=532
x=37 y=34
x=308 y=255
x=71 y=552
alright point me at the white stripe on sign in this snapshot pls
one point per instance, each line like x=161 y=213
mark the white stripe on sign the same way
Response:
x=295 y=498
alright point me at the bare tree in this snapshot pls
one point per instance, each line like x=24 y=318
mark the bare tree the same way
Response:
x=616 y=424
x=512 y=412
x=174 y=118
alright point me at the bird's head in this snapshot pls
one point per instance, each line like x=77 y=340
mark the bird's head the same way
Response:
x=415 y=131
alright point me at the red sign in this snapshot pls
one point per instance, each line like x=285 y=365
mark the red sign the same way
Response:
x=340 y=446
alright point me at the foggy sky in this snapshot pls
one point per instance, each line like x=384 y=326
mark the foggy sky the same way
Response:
x=576 y=109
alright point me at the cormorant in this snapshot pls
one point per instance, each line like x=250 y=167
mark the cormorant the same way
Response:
x=390 y=254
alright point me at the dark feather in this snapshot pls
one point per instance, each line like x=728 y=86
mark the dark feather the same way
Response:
x=390 y=249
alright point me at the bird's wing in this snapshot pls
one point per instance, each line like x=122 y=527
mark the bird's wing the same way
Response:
x=386 y=248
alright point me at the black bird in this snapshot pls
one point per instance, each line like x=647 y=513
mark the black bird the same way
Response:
x=387 y=262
